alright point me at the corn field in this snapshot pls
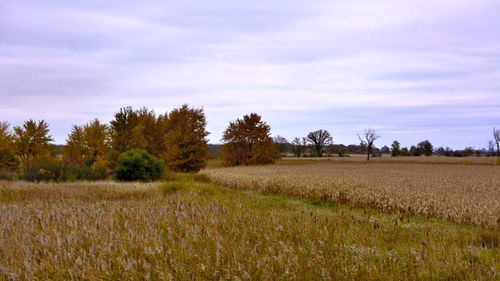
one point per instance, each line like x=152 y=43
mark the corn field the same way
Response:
x=460 y=193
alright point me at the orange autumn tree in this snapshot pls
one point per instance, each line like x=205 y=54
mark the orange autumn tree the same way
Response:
x=87 y=148
x=9 y=162
x=248 y=141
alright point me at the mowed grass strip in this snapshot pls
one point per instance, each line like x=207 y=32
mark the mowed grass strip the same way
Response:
x=187 y=230
x=461 y=193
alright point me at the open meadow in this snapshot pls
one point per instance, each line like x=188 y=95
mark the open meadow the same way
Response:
x=191 y=229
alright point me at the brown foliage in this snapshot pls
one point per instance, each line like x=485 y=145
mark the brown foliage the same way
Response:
x=248 y=141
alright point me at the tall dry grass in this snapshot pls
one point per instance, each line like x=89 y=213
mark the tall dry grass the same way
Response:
x=200 y=231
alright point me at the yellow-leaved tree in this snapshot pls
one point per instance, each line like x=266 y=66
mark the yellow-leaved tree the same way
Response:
x=185 y=139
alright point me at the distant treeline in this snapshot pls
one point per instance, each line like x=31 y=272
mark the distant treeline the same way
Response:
x=139 y=144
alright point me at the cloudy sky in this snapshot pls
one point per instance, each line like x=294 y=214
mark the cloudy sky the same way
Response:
x=413 y=70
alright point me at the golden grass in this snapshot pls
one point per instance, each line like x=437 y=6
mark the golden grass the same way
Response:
x=201 y=231
x=460 y=193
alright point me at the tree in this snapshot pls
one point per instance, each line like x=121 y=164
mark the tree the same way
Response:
x=96 y=137
x=32 y=140
x=248 y=141
x=491 y=148
x=75 y=150
x=369 y=137
x=9 y=162
x=299 y=146
x=496 y=138
x=448 y=151
x=138 y=165
x=153 y=130
x=85 y=143
x=319 y=139
x=6 y=137
x=425 y=147
x=126 y=131
x=385 y=150
x=468 y=151
x=395 y=149
x=185 y=139
x=415 y=151
x=281 y=144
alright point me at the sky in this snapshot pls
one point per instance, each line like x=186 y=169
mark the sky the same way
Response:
x=412 y=70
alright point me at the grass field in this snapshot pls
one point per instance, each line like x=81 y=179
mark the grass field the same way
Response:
x=191 y=229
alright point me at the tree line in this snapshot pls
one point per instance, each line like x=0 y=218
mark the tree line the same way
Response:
x=97 y=150
x=320 y=143
x=142 y=143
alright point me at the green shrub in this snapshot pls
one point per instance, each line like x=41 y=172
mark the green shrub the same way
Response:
x=76 y=172
x=138 y=165
x=43 y=170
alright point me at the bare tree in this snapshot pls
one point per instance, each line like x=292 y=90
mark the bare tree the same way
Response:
x=298 y=147
x=369 y=137
x=319 y=139
x=491 y=148
x=496 y=138
x=282 y=144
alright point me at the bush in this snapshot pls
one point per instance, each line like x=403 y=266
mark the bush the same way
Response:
x=43 y=170
x=138 y=165
x=99 y=170
x=76 y=172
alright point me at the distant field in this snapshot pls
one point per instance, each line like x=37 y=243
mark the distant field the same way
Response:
x=187 y=230
x=469 y=160
x=459 y=191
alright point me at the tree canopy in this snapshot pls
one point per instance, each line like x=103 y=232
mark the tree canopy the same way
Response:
x=319 y=139
x=248 y=141
x=185 y=139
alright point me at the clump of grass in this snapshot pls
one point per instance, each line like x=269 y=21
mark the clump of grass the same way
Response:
x=498 y=161
x=202 y=178
x=171 y=187
x=490 y=239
